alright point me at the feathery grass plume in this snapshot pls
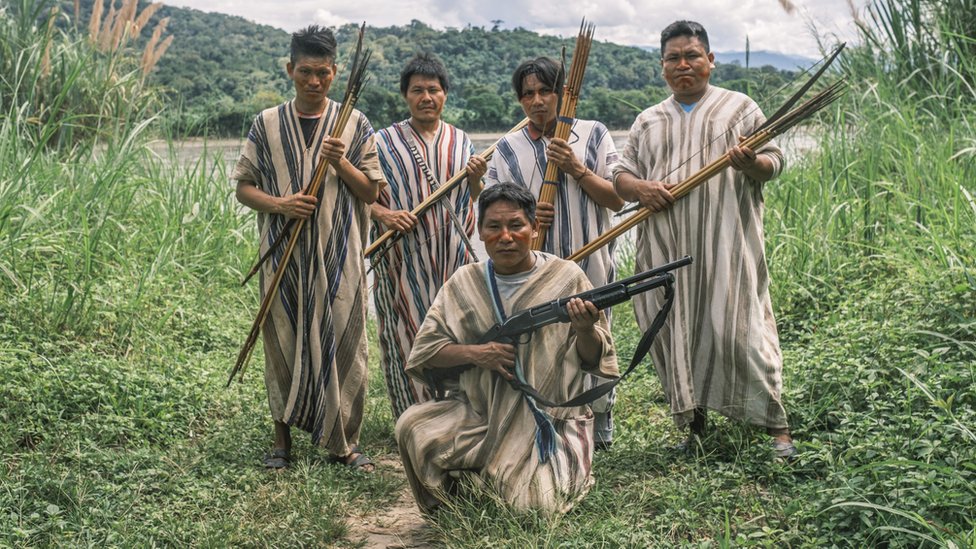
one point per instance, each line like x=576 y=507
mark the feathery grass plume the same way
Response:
x=357 y=79
x=121 y=27
x=48 y=37
x=149 y=56
x=567 y=112
x=94 y=24
x=105 y=32
x=144 y=17
x=147 y=68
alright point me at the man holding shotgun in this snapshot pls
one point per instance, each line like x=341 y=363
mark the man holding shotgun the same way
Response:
x=418 y=155
x=584 y=195
x=532 y=455
x=314 y=336
x=720 y=350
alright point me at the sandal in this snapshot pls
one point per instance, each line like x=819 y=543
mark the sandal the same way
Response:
x=277 y=458
x=784 y=451
x=360 y=462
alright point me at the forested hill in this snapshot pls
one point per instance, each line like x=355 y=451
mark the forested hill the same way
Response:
x=222 y=69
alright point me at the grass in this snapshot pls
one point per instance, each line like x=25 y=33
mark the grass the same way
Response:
x=121 y=315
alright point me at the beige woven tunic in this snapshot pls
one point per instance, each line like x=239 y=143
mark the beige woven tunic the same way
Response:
x=485 y=426
x=315 y=334
x=719 y=348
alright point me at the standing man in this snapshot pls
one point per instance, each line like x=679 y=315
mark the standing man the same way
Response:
x=720 y=349
x=315 y=337
x=585 y=195
x=531 y=455
x=418 y=155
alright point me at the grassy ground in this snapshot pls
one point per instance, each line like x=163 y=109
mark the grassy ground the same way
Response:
x=121 y=316
x=150 y=448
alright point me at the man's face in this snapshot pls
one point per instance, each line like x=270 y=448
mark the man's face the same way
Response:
x=507 y=234
x=313 y=77
x=538 y=101
x=425 y=98
x=687 y=67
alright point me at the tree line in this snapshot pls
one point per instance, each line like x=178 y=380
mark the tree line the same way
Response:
x=220 y=70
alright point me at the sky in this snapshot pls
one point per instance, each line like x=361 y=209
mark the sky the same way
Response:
x=635 y=22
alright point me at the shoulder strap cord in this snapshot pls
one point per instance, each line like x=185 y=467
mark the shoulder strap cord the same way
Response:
x=545 y=431
x=408 y=132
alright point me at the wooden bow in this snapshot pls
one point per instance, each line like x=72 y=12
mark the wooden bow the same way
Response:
x=782 y=120
x=385 y=242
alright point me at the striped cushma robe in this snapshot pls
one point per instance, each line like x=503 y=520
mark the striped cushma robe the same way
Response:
x=720 y=348
x=521 y=158
x=409 y=275
x=485 y=426
x=315 y=337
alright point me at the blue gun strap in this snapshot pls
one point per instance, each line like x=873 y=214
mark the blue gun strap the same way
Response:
x=545 y=432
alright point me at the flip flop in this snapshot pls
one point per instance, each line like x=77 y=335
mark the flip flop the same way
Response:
x=277 y=458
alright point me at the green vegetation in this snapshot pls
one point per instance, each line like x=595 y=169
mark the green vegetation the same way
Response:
x=220 y=70
x=121 y=315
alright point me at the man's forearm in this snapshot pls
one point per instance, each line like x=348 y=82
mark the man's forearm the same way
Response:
x=451 y=355
x=364 y=188
x=762 y=170
x=600 y=190
x=589 y=347
x=256 y=199
x=625 y=185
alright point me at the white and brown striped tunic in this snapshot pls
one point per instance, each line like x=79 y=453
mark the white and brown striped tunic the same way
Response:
x=315 y=335
x=485 y=426
x=720 y=348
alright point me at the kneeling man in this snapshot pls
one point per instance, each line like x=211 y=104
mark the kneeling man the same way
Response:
x=532 y=455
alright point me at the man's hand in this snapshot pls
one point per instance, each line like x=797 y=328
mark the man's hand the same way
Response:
x=742 y=158
x=477 y=167
x=562 y=155
x=494 y=356
x=398 y=220
x=545 y=212
x=296 y=206
x=582 y=315
x=333 y=149
x=653 y=195
x=756 y=167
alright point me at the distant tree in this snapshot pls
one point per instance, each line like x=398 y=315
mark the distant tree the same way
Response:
x=222 y=69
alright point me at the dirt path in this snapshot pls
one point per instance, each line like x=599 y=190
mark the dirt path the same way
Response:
x=398 y=526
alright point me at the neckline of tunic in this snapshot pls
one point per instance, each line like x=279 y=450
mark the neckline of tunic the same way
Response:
x=677 y=104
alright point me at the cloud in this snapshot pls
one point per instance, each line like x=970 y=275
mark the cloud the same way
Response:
x=632 y=22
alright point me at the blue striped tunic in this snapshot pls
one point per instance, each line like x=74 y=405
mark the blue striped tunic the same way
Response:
x=521 y=158
x=409 y=276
